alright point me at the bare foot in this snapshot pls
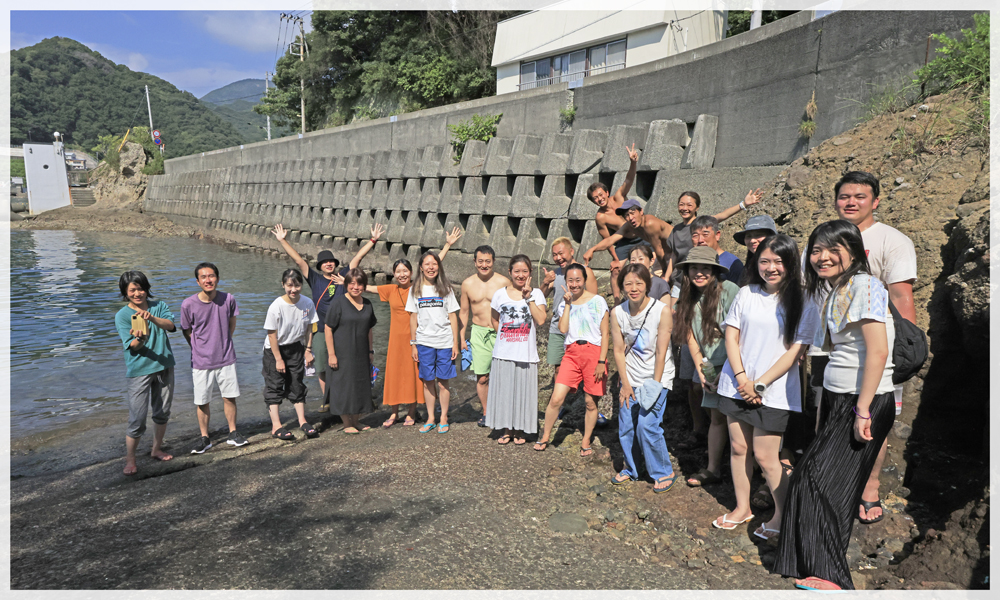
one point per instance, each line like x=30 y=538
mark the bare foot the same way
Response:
x=159 y=455
x=130 y=469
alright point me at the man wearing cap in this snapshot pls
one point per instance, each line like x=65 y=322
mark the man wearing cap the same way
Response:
x=758 y=227
x=325 y=283
x=608 y=221
x=646 y=227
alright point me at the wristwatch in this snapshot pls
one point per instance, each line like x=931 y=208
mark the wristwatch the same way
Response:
x=759 y=387
x=413 y=342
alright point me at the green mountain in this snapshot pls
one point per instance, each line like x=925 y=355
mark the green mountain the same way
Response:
x=234 y=104
x=61 y=85
x=246 y=89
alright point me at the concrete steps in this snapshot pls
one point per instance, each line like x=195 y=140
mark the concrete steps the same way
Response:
x=82 y=196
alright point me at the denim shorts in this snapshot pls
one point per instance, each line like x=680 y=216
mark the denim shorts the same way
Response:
x=435 y=363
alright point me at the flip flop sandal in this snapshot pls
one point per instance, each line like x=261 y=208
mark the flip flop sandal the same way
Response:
x=443 y=428
x=616 y=481
x=503 y=440
x=324 y=408
x=425 y=428
x=806 y=584
x=586 y=452
x=283 y=434
x=766 y=533
x=409 y=422
x=309 y=430
x=702 y=478
x=730 y=525
x=762 y=499
x=355 y=432
x=669 y=478
x=543 y=445
x=870 y=505
x=389 y=422
x=130 y=471
x=520 y=441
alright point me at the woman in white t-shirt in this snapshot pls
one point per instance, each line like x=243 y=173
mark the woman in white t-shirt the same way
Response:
x=287 y=349
x=583 y=319
x=641 y=333
x=827 y=483
x=434 y=326
x=768 y=328
x=517 y=311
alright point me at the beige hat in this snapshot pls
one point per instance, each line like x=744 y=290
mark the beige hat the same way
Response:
x=702 y=255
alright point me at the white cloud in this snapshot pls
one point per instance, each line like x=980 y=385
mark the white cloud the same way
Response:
x=253 y=31
x=20 y=40
x=133 y=60
x=202 y=80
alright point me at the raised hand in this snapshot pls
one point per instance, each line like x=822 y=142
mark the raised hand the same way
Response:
x=633 y=154
x=753 y=197
x=451 y=238
x=279 y=231
x=337 y=279
x=550 y=277
x=377 y=230
x=568 y=298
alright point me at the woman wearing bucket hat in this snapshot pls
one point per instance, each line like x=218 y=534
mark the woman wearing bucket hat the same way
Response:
x=701 y=310
x=758 y=227
x=325 y=283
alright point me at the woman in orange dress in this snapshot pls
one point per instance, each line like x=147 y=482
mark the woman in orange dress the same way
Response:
x=402 y=382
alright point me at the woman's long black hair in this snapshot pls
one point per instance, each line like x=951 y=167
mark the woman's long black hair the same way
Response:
x=830 y=235
x=790 y=294
x=691 y=296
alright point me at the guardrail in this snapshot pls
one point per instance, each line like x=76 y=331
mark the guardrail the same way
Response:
x=569 y=77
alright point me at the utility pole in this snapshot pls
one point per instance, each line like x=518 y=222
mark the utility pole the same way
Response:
x=302 y=58
x=266 y=75
x=148 y=108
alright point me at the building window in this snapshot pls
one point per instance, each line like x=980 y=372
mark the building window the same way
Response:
x=573 y=66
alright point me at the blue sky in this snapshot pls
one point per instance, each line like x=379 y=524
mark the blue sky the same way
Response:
x=197 y=51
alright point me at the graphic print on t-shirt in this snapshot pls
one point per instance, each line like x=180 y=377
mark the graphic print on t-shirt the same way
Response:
x=515 y=325
x=430 y=302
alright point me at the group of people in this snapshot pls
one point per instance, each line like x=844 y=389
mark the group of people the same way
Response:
x=735 y=332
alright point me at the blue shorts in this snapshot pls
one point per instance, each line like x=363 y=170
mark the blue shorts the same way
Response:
x=436 y=363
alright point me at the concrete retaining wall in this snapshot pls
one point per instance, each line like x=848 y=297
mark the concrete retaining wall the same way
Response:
x=507 y=195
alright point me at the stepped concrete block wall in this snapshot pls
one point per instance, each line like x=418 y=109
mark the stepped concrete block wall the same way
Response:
x=720 y=121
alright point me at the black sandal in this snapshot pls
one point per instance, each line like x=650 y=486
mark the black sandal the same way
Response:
x=870 y=505
x=309 y=430
x=283 y=434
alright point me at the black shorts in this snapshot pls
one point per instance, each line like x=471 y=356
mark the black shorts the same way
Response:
x=625 y=245
x=278 y=386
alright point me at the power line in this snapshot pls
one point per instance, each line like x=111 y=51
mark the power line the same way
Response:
x=231 y=99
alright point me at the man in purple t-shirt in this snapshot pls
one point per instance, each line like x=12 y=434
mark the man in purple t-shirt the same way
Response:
x=208 y=320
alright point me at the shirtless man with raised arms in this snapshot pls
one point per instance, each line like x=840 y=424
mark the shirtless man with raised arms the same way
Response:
x=477 y=292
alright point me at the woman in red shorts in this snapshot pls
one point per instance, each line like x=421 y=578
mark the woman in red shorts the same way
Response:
x=583 y=319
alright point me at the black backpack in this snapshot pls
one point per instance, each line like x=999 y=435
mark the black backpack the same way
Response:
x=909 y=351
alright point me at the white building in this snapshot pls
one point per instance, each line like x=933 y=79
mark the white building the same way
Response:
x=555 y=45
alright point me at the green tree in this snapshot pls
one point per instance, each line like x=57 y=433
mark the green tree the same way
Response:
x=739 y=20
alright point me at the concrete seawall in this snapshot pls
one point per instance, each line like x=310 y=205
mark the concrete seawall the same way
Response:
x=518 y=195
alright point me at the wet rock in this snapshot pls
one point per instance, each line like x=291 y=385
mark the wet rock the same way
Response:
x=568 y=523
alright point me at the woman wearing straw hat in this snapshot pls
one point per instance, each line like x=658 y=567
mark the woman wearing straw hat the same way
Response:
x=701 y=311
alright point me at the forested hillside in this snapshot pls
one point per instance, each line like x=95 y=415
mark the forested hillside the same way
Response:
x=371 y=64
x=234 y=104
x=61 y=85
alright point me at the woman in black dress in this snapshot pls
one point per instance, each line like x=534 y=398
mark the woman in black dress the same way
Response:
x=349 y=322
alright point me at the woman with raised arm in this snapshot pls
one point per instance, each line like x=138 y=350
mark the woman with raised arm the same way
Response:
x=768 y=329
x=517 y=311
x=857 y=411
x=402 y=376
x=640 y=330
x=325 y=282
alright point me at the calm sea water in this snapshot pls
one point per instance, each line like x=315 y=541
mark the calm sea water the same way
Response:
x=66 y=357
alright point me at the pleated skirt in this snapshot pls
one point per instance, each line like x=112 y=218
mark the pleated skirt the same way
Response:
x=824 y=493
x=512 y=402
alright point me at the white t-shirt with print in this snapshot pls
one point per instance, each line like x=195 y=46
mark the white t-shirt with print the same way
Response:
x=516 y=331
x=290 y=322
x=640 y=361
x=433 y=325
x=584 y=320
x=761 y=321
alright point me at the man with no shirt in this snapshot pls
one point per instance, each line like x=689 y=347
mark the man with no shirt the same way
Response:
x=608 y=222
x=637 y=224
x=477 y=293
